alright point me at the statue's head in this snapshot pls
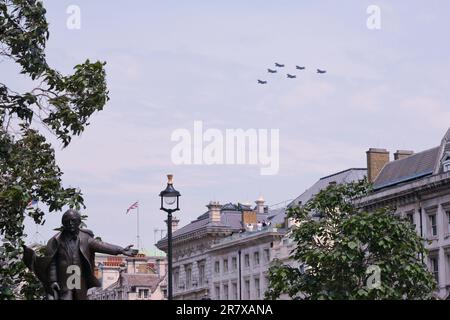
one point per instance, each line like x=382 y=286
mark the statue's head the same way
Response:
x=71 y=221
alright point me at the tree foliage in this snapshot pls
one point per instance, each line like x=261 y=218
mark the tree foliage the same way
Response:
x=343 y=252
x=56 y=103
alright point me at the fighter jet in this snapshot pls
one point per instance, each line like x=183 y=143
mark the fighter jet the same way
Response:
x=321 y=71
x=299 y=68
x=261 y=82
x=279 y=65
x=271 y=71
x=290 y=76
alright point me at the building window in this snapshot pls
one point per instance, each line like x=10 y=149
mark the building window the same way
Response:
x=410 y=218
x=433 y=225
x=234 y=291
x=225 y=265
x=256 y=258
x=447 y=214
x=434 y=266
x=217 y=267
x=257 y=288
x=225 y=292
x=217 y=291
x=247 y=260
x=247 y=289
x=234 y=263
x=176 y=278
x=188 y=270
x=201 y=274
x=446 y=165
x=143 y=293
x=266 y=255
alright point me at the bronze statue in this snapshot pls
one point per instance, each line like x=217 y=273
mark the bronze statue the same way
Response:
x=67 y=268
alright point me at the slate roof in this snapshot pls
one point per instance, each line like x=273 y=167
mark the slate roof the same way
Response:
x=346 y=176
x=129 y=280
x=140 y=280
x=230 y=217
x=410 y=168
x=277 y=216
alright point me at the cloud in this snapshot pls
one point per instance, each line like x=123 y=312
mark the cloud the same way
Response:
x=430 y=110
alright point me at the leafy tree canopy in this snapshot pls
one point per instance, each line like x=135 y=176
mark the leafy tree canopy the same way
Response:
x=56 y=103
x=343 y=252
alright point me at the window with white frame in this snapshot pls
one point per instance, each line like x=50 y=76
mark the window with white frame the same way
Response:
x=266 y=255
x=447 y=215
x=225 y=265
x=448 y=266
x=256 y=258
x=225 y=292
x=247 y=289
x=143 y=293
x=188 y=271
x=446 y=165
x=234 y=263
x=234 y=291
x=247 y=260
x=201 y=273
x=176 y=278
x=217 y=267
x=257 y=288
x=434 y=268
x=433 y=224
x=217 y=291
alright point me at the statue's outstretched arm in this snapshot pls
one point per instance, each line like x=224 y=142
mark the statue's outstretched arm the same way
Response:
x=104 y=247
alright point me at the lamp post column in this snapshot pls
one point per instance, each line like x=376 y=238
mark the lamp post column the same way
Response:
x=169 y=253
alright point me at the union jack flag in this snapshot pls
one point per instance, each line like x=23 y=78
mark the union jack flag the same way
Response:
x=31 y=203
x=133 y=206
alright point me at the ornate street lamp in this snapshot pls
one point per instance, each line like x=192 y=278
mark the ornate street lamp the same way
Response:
x=169 y=204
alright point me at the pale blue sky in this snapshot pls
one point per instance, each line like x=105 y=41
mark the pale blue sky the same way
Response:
x=172 y=62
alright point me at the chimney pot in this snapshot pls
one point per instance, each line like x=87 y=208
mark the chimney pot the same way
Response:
x=402 y=154
x=214 y=208
x=260 y=205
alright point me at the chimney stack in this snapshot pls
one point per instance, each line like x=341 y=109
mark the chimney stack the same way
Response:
x=402 y=154
x=376 y=160
x=175 y=222
x=214 y=211
x=260 y=205
x=249 y=217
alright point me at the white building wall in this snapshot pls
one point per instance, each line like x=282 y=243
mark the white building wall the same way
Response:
x=437 y=246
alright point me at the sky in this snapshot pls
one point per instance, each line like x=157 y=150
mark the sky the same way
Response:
x=170 y=63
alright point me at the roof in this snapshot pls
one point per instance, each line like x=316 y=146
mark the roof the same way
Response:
x=346 y=176
x=410 y=168
x=277 y=216
x=230 y=218
x=140 y=280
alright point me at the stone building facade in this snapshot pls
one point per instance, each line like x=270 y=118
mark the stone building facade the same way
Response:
x=205 y=251
x=417 y=186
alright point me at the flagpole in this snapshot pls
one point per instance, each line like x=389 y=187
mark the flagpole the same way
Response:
x=137 y=236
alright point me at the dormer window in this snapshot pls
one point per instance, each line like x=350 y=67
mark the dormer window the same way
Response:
x=446 y=166
x=446 y=162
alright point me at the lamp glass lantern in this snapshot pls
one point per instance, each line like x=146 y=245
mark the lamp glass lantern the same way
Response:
x=169 y=196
